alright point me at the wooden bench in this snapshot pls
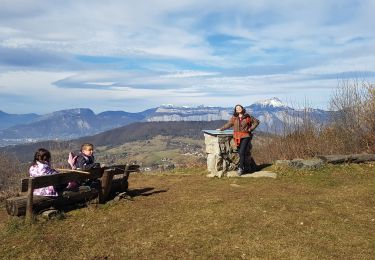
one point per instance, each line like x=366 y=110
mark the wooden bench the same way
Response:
x=28 y=203
x=108 y=183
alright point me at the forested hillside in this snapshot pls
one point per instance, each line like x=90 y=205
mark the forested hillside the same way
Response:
x=119 y=136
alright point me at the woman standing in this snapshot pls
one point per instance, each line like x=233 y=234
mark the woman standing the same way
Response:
x=243 y=124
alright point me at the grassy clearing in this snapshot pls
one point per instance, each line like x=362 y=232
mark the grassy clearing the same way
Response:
x=328 y=213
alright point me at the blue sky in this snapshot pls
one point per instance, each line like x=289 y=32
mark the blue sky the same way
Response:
x=134 y=55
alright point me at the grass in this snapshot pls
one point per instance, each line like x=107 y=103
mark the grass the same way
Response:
x=327 y=213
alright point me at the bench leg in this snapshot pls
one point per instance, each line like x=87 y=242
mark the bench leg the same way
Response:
x=124 y=181
x=106 y=184
x=29 y=203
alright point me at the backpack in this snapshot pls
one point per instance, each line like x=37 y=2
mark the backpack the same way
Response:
x=72 y=160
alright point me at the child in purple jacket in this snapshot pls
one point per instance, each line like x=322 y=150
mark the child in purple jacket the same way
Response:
x=40 y=166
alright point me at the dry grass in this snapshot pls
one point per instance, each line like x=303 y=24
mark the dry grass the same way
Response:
x=302 y=214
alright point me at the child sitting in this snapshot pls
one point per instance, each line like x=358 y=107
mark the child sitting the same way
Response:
x=85 y=159
x=41 y=166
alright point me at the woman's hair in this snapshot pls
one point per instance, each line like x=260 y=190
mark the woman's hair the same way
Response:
x=41 y=155
x=87 y=145
x=235 y=112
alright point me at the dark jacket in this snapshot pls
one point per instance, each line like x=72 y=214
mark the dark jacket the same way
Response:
x=86 y=162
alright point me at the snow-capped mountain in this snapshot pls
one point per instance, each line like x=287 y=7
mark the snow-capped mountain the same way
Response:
x=272 y=102
x=272 y=113
x=200 y=113
x=74 y=123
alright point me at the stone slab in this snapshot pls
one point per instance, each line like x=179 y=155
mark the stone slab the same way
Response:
x=257 y=174
x=218 y=132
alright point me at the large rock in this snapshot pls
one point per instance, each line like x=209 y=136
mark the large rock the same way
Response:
x=301 y=163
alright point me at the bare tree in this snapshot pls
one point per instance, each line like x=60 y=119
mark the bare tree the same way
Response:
x=354 y=121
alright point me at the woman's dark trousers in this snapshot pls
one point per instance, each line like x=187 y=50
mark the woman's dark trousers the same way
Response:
x=243 y=151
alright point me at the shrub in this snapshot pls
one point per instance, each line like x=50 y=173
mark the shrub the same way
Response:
x=351 y=129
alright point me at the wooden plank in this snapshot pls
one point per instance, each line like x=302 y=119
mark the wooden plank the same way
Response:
x=119 y=169
x=16 y=206
x=352 y=158
x=62 y=170
x=61 y=178
x=73 y=175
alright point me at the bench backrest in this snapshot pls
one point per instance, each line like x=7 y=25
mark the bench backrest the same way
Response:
x=65 y=177
x=120 y=169
x=60 y=178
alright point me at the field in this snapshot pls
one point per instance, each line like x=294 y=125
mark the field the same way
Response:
x=309 y=214
x=156 y=151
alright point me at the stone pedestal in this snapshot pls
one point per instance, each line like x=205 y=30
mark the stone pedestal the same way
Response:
x=222 y=156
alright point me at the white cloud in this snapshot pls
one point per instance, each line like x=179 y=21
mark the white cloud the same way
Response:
x=193 y=51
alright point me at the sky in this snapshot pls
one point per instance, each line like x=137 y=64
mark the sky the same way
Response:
x=134 y=55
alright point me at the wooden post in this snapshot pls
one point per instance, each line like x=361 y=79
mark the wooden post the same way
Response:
x=29 y=204
x=106 y=183
x=124 y=180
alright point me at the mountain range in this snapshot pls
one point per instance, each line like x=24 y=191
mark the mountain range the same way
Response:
x=79 y=122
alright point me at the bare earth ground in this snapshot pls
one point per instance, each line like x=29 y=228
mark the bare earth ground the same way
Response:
x=321 y=214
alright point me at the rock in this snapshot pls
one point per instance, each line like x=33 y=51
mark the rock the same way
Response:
x=283 y=163
x=301 y=163
x=307 y=164
x=123 y=195
x=231 y=174
x=50 y=214
x=258 y=174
